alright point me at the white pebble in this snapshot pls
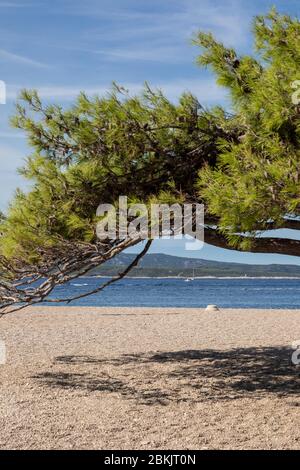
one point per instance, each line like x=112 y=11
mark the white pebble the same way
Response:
x=212 y=308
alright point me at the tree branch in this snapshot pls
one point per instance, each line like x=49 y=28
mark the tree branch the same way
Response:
x=111 y=281
x=282 y=246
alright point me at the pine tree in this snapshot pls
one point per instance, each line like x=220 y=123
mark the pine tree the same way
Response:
x=243 y=165
x=255 y=184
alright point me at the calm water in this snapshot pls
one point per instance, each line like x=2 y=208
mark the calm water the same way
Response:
x=246 y=293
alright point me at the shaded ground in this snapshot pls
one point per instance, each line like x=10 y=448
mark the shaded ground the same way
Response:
x=189 y=376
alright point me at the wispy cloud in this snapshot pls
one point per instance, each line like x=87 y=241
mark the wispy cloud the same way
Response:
x=175 y=21
x=147 y=53
x=64 y=93
x=162 y=34
x=206 y=90
x=16 y=5
x=10 y=157
x=12 y=135
x=19 y=59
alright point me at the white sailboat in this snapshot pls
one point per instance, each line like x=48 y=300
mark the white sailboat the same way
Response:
x=188 y=279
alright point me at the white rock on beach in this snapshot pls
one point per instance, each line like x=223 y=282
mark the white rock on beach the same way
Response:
x=212 y=308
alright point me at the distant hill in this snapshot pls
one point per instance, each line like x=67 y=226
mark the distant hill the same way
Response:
x=161 y=265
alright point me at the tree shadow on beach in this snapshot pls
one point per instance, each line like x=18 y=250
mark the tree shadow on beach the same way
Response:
x=182 y=376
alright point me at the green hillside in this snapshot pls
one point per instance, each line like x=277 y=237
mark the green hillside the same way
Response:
x=161 y=265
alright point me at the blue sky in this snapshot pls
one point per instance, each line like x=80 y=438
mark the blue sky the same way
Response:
x=61 y=47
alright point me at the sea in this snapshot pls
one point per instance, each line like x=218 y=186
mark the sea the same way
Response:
x=279 y=293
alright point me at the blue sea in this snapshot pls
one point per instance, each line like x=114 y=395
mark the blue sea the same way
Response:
x=226 y=293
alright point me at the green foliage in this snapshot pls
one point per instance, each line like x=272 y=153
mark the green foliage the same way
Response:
x=256 y=178
x=143 y=147
x=244 y=166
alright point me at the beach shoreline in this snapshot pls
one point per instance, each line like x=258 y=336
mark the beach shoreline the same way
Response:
x=194 y=278
x=149 y=378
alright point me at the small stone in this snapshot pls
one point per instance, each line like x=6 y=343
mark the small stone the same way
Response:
x=212 y=308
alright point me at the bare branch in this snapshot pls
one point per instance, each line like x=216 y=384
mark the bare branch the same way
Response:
x=79 y=260
x=111 y=281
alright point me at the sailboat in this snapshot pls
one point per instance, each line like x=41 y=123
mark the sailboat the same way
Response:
x=188 y=279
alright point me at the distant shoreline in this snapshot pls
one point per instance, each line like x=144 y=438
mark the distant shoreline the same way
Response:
x=194 y=278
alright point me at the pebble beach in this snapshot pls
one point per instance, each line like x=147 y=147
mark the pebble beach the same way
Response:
x=149 y=378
